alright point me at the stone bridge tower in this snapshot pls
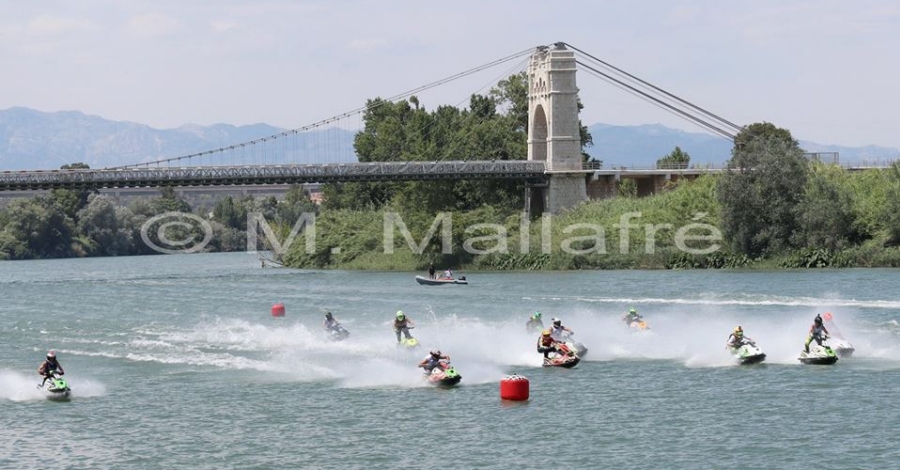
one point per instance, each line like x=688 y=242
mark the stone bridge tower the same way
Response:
x=554 y=131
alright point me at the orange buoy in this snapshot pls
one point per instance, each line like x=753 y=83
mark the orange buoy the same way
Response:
x=514 y=387
x=278 y=310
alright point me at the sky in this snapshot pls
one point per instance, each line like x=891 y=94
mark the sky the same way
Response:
x=827 y=70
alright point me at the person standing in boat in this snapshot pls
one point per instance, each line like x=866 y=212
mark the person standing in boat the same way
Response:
x=430 y=270
x=402 y=324
x=49 y=367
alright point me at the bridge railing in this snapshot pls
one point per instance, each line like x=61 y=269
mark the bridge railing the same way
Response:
x=270 y=174
x=855 y=164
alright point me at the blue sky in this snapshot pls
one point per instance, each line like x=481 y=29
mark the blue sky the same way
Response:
x=826 y=70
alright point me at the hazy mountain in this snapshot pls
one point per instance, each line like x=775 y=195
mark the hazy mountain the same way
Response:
x=35 y=140
x=641 y=146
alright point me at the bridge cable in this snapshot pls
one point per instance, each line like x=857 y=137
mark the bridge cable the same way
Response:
x=710 y=126
x=660 y=90
x=340 y=116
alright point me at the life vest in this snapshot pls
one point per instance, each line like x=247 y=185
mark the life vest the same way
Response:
x=48 y=367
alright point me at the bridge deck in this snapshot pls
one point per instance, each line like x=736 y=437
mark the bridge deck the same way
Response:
x=270 y=174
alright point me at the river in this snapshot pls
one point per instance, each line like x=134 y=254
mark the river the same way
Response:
x=176 y=362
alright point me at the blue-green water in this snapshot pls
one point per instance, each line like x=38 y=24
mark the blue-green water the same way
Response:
x=176 y=362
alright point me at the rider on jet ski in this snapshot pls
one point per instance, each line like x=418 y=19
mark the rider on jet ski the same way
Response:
x=737 y=338
x=432 y=360
x=557 y=330
x=535 y=322
x=632 y=316
x=817 y=332
x=402 y=324
x=546 y=344
x=49 y=367
x=330 y=323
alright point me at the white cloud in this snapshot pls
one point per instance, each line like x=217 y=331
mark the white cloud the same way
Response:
x=47 y=25
x=151 y=25
x=224 y=26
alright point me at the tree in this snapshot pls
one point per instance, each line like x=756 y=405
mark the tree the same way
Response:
x=99 y=222
x=674 y=160
x=168 y=201
x=891 y=211
x=72 y=200
x=761 y=189
x=825 y=214
x=36 y=228
x=229 y=215
x=627 y=187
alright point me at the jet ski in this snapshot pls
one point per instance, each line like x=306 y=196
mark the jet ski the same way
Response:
x=337 y=333
x=841 y=346
x=564 y=357
x=639 y=325
x=819 y=354
x=57 y=387
x=444 y=375
x=748 y=353
x=577 y=347
x=408 y=343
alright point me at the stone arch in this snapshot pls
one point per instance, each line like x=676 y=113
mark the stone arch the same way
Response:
x=539 y=132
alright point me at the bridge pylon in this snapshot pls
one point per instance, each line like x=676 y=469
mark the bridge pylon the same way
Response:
x=554 y=131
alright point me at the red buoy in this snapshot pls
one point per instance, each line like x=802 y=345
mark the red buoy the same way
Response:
x=514 y=387
x=278 y=310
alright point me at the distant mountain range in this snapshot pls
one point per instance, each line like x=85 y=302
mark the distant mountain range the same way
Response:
x=35 y=140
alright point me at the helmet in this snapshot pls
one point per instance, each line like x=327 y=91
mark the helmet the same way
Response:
x=400 y=315
x=738 y=331
x=818 y=319
x=51 y=355
x=632 y=310
x=435 y=352
x=327 y=314
x=557 y=322
x=536 y=315
x=545 y=333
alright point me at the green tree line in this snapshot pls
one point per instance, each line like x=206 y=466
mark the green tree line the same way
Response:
x=69 y=223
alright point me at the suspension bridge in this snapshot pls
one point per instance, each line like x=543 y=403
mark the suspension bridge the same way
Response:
x=555 y=175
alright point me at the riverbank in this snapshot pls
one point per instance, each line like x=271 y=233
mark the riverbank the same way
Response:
x=677 y=229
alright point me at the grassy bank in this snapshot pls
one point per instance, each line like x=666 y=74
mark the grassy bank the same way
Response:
x=673 y=230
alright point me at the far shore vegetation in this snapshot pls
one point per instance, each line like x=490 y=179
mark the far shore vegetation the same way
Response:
x=772 y=208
